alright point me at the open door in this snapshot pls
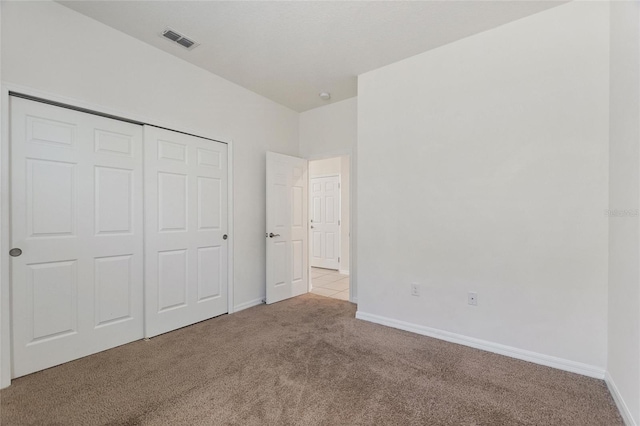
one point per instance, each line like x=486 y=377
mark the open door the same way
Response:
x=287 y=245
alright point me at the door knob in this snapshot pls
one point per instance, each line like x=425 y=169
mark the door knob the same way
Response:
x=311 y=226
x=15 y=252
x=271 y=235
x=224 y=237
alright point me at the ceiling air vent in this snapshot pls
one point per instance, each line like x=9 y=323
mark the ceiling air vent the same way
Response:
x=181 y=39
x=185 y=42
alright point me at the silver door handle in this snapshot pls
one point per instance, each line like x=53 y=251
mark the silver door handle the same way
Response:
x=271 y=235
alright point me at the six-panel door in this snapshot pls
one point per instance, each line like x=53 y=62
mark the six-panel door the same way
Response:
x=287 y=234
x=185 y=226
x=76 y=214
x=325 y=222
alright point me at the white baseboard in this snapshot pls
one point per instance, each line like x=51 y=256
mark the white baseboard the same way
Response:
x=537 y=358
x=344 y=271
x=617 y=397
x=247 y=305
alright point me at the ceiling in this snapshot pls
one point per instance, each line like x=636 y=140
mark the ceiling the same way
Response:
x=291 y=51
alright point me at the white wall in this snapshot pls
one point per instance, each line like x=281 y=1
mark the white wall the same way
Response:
x=483 y=166
x=338 y=166
x=329 y=130
x=324 y=167
x=51 y=48
x=624 y=185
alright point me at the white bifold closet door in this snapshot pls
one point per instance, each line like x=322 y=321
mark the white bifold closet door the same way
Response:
x=76 y=215
x=185 y=230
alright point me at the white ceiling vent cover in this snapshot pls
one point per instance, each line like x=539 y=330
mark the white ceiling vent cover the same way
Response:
x=181 y=39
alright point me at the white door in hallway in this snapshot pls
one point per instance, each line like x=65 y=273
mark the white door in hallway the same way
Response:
x=287 y=234
x=185 y=230
x=76 y=215
x=325 y=222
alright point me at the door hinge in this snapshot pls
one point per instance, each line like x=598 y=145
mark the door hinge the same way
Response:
x=338 y=222
x=338 y=185
x=338 y=259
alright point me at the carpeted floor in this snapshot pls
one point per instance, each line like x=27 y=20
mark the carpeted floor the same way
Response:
x=304 y=361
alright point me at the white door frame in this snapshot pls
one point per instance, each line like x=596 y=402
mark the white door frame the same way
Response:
x=5 y=206
x=339 y=176
x=353 y=210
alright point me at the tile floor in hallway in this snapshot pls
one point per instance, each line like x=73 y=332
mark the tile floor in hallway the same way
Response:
x=330 y=283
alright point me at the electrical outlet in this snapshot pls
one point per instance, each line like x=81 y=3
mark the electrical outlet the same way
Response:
x=415 y=289
x=473 y=298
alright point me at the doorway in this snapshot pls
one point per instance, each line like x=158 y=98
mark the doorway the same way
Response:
x=329 y=210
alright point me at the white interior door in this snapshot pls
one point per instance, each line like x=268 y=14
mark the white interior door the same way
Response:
x=325 y=222
x=287 y=258
x=76 y=214
x=185 y=230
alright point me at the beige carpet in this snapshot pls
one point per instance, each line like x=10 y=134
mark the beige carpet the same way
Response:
x=305 y=361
